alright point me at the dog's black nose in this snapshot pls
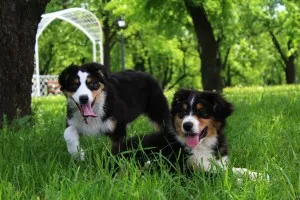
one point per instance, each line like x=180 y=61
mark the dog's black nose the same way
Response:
x=187 y=126
x=83 y=99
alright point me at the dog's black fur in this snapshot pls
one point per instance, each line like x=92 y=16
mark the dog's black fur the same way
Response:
x=149 y=147
x=104 y=103
x=129 y=94
x=169 y=144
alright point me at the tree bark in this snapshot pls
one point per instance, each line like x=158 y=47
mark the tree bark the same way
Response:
x=290 y=70
x=289 y=61
x=227 y=68
x=107 y=42
x=18 y=26
x=208 y=47
x=139 y=62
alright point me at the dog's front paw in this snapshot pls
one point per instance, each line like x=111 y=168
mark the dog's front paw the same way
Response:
x=77 y=155
x=81 y=154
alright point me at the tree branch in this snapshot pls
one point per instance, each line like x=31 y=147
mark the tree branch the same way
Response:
x=226 y=58
x=165 y=74
x=277 y=47
x=282 y=65
x=150 y=65
x=177 y=81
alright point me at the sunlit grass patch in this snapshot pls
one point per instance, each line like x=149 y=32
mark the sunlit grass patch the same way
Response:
x=263 y=135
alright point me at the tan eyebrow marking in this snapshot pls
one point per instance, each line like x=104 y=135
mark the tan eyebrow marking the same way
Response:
x=184 y=106
x=89 y=79
x=76 y=80
x=199 y=106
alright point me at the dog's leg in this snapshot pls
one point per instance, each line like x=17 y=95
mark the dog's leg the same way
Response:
x=119 y=132
x=71 y=136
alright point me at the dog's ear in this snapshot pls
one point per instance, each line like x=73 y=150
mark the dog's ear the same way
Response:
x=179 y=96
x=101 y=69
x=96 y=68
x=64 y=75
x=221 y=106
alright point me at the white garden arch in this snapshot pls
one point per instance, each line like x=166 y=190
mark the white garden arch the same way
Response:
x=81 y=18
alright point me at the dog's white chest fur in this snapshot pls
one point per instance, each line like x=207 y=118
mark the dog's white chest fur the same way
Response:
x=93 y=126
x=203 y=155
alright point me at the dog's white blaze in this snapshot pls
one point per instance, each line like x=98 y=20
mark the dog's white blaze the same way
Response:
x=192 y=101
x=83 y=89
x=193 y=120
x=191 y=104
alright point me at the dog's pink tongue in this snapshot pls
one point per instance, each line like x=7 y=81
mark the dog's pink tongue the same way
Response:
x=192 y=141
x=87 y=111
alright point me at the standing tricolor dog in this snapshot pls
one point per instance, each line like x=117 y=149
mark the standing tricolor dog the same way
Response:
x=103 y=103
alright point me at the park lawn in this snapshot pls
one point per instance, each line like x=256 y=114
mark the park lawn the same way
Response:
x=263 y=135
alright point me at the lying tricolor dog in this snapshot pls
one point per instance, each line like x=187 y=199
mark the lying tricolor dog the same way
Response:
x=103 y=103
x=199 y=142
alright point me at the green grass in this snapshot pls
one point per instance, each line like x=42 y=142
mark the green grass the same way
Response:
x=263 y=135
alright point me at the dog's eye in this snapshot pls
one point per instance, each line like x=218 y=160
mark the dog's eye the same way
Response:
x=94 y=85
x=203 y=114
x=73 y=87
x=182 y=114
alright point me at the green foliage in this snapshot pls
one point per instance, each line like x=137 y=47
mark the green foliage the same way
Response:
x=253 y=64
x=60 y=45
x=279 y=18
x=160 y=43
x=263 y=134
x=160 y=39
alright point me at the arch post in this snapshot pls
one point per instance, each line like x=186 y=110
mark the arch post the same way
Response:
x=94 y=52
x=37 y=69
x=100 y=51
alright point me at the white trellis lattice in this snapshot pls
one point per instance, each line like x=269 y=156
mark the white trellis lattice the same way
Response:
x=48 y=85
x=81 y=18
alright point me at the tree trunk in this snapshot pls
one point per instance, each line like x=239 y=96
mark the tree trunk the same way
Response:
x=289 y=61
x=18 y=26
x=290 y=70
x=228 y=77
x=107 y=42
x=208 y=48
x=139 y=63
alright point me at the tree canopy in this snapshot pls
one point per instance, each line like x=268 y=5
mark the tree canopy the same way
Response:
x=252 y=42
